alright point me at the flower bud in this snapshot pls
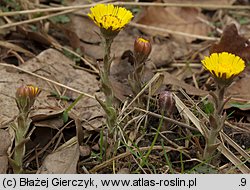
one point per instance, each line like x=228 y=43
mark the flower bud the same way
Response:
x=26 y=96
x=166 y=103
x=142 y=49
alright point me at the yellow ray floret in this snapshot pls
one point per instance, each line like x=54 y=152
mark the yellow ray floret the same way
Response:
x=224 y=65
x=110 y=16
x=34 y=91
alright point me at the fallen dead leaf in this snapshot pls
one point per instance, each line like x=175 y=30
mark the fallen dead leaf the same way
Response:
x=54 y=123
x=41 y=38
x=46 y=64
x=85 y=150
x=63 y=160
x=232 y=42
x=162 y=53
x=45 y=113
x=86 y=30
x=191 y=90
x=239 y=92
x=4 y=145
x=175 y=19
x=16 y=48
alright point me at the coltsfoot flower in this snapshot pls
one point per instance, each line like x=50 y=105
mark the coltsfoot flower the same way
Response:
x=223 y=66
x=142 y=49
x=109 y=18
x=25 y=97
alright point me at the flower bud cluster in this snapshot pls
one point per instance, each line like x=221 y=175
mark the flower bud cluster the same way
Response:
x=25 y=97
x=166 y=103
x=142 y=49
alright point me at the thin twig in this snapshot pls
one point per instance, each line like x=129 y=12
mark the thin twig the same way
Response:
x=35 y=19
x=196 y=5
x=167 y=31
x=167 y=119
x=53 y=9
x=77 y=7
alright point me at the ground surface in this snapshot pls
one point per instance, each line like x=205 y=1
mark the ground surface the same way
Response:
x=62 y=55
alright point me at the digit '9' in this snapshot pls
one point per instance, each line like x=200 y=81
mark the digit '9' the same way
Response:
x=243 y=181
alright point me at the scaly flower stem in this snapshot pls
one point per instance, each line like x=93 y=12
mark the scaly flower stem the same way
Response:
x=137 y=81
x=216 y=124
x=138 y=74
x=20 y=136
x=107 y=57
x=106 y=84
x=221 y=93
x=108 y=105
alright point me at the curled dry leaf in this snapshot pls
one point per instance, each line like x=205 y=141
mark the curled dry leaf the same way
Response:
x=175 y=19
x=191 y=90
x=45 y=113
x=240 y=94
x=85 y=150
x=41 y=38
x=48 y=117
x=46 y=64
x=63 y=160
x=4 y=145
x=232 y=42
x=16 y=48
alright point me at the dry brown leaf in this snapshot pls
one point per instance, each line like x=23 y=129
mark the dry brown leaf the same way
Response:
x=45 y=113
x=240 y=89
x=41 y=38
x=86 y=30
x=239 y=92
x=53 y=65
x=162 y=53
x=174 y=18
x=16 y=48
x=4 y=145
x=63 y=160
x=54 y=123
x=191 y=90
x=85 y=150
x=48 y=117
x=232 y=42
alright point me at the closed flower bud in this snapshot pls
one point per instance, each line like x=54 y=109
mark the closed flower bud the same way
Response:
x=142 y=49
x=25 y=97
x=166 y=103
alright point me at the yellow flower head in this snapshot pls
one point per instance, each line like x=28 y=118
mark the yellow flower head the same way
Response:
x=110 y=17
x=224 y=66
